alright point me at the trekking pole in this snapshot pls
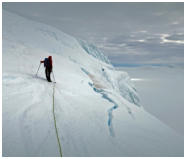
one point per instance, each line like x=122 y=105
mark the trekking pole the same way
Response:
x=38 y=68
x=53 y=76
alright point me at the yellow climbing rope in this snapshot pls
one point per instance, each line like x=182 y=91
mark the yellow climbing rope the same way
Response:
x=60 y=149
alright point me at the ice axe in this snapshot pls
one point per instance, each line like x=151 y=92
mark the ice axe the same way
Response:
x=38 y=68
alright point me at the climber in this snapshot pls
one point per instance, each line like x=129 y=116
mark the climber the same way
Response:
x=48 y=67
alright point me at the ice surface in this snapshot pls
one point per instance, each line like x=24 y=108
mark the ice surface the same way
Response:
x=94 y=51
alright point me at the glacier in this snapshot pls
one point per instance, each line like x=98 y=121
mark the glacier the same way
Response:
x=97 y=108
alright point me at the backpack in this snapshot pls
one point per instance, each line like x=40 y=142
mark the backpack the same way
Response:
x=46 y=62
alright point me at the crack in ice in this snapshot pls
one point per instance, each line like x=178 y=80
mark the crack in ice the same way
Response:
x=110 y=111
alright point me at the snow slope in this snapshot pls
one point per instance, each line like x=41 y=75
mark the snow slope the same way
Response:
x=97 y=108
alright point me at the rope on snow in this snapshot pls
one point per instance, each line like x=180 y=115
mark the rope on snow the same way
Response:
x=60 y=149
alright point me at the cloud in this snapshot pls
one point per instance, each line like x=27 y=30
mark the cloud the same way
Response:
x=126 y=32
x=153 y=48
x=175 y=38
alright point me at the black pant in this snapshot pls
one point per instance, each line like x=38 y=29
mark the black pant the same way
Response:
x=47 y=72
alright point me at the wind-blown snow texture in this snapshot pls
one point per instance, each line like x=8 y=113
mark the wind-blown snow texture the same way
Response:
x=97 y=108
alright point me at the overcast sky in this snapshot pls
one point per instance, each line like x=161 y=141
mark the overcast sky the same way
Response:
x=129 y=33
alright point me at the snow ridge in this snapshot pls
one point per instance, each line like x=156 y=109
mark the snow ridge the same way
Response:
x=94 y=51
